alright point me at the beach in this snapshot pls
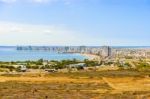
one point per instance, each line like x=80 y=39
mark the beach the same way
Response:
x=91 y=56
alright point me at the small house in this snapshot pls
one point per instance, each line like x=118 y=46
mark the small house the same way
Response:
x=23 y=68
x=77 y=65
x=51 y=70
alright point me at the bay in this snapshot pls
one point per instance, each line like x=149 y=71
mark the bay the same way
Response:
x=11 y=54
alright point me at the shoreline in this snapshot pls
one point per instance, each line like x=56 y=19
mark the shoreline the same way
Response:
x=91 y=56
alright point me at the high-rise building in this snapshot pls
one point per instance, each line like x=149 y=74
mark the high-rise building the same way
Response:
x=82 y=48
x=106 y=51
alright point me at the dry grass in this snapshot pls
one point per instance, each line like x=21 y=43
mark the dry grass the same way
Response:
x=83 y=85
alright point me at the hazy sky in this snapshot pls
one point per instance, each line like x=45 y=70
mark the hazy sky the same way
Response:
x=75 y=22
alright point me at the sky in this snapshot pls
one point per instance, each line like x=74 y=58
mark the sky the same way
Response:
x=75 y=22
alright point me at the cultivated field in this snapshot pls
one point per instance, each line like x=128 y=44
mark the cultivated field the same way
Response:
x=80 y=85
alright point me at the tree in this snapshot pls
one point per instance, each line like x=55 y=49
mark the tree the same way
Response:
x=39 y=62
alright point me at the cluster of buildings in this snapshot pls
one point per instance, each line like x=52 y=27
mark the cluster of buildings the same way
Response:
x=102 y=51
x=107 y=55
x=96 y=50
x=132 y=53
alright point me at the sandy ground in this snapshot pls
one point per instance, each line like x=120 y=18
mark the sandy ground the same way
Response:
x=91 y=56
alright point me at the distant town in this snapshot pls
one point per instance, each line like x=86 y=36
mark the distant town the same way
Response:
x=99 y=58
x=103 y=52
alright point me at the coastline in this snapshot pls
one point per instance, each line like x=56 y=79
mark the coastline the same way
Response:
x=91 y=56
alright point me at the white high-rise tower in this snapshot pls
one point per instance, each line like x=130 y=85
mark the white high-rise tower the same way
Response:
x=106 y=51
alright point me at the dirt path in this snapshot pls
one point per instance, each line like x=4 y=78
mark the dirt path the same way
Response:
x=109 y=83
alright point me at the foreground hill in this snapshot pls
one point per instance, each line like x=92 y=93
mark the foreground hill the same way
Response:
x=80 y=85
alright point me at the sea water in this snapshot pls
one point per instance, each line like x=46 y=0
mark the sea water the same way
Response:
x=11 y=54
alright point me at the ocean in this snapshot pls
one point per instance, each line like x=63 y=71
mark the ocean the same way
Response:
x=8 y=54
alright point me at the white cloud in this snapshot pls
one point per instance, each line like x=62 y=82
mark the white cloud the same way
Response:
x=27 y=34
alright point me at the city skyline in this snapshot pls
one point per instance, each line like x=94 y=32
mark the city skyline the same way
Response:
x=75 y=22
